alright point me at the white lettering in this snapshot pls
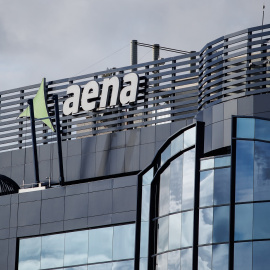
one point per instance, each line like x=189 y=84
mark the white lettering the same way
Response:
x=129 y=93
x=90 y=91
x=71 y=104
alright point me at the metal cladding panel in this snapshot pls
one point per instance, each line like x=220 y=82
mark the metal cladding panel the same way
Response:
x=167 y=92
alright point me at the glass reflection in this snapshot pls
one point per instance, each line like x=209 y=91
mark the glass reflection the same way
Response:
x=148 y=177
x=222 y=186
x=176 y=184
x=29 y=257
x=205 y=225
x=177 y=145
x=52 y=251
x=206 y=188
x=207 y=163
x=261 y=229
x=244 y=171
x=174 y=231
x=143 y=264
x=174 y=260
x=75 y=268
x=186 y=259
x=164 y=192
x=243 y=222
x=222 y=161
x=123 y=242
x=205 y=258
x=76 y=248
x=261 y=171
x=243 y=256
x=124 y=265
x=245 y=128
x=188 y=180
x=144 y=239
x=163 y=234
x=262 y=129
x=261 y=258
x=221 y=224
x=189 y=137
x=162 y=262
x=187 y=229
x=100 y=245
x=220 y=257
x=145 y=203
x=103 y=266
x=165 y=155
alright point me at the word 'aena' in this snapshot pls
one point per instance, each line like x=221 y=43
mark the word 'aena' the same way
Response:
x=92 y=98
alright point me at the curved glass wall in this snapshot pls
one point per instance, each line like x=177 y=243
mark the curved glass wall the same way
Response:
x=174 y=180
x=214 y=213
x=252 y=194
x=109 y=248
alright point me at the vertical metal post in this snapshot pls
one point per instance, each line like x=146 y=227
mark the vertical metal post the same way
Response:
x=156 y=48
x=34 y=139
x=134 y=52
x=59 y=141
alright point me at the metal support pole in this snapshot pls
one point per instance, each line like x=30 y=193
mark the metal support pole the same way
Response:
x=34 y=139
x=134 y=53
x=59 y=141
x=156 y=49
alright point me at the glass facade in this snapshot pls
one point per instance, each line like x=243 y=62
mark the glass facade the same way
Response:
x=174 y=179
x=87 y=249
x=252 y=199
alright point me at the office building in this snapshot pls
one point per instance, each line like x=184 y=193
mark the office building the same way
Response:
x=166 y=165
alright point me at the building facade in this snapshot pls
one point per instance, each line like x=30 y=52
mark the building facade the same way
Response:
x=172 y=173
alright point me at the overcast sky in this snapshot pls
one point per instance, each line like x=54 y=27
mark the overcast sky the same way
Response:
x=63 y=38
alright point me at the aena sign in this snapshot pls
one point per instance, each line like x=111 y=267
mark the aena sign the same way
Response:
x=91 y=98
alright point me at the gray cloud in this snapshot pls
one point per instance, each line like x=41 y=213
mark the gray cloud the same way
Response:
x=58 y=39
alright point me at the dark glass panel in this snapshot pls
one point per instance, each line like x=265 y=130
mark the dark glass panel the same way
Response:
x=123 y=242
x=189 y=137
x=244 y=171
x=261 y=258
x=220 y=257
x=243 y=256
x=52 y=251
x=148 y=177
x=206 y=188
x=124 y=265
x=176 y=184
x=165 y=155
x=187 y=229
x=222 y=186
x=177 y=144
x=174 y=260
x=205 y=226
x=29 y=255
x=162 y=262
x=262 y=129
x=145 y=203
x=262 y=171
x=261 y=226
x=243 y=222
x=245 y=128
x=221 y=224
x=188 y=180
x=186 y=259
x=174 y=231
x=100 y=245
x=163 y=234
x=144 y=239
x=76 y=248
x=164 y=192
x=205 y=258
